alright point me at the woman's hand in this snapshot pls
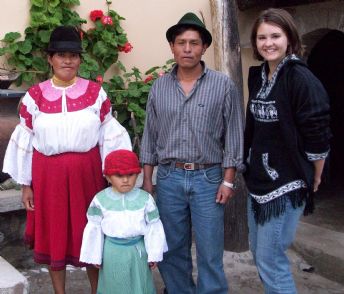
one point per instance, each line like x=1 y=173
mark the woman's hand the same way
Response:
x=318 y=168
x=27 y=198
x=317 y=181
x=152 y=265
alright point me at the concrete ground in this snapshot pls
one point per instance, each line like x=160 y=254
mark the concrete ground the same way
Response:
x=240 y=271
x=318 y=253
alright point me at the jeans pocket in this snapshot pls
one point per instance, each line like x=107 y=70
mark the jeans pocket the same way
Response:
x=163 y=172
x=213 y=175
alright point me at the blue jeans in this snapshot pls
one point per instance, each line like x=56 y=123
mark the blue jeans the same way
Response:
x=268 y=243
x=185 y=198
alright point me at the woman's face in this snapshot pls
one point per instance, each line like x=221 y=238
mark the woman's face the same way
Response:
x=65 y=65
x=272 y=42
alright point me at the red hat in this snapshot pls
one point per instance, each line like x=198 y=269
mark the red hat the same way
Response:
x=121 y=162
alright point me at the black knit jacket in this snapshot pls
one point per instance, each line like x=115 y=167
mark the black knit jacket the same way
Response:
x=303 y=113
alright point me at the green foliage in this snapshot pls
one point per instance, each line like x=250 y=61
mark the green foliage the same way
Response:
x=27 y=55
x=101 y=44
x=128 y=93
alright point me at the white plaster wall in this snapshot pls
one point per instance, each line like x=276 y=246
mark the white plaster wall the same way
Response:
x=146 y=23
x=308 y=18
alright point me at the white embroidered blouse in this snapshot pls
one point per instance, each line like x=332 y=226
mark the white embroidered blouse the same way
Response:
x=122 y=216
x=54 y=120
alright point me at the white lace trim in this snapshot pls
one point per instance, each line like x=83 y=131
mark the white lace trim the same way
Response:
x=266 y=84
x=316 y=156
x=273 y=174
x=265 y=111
x=292 y=186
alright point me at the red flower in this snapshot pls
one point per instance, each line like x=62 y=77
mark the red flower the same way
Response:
x=96 y=14
x=126 y=48
x=99 y=79
x=106 y=20
x=148 y=79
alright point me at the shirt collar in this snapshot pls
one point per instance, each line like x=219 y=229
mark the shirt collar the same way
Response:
x=175 y=68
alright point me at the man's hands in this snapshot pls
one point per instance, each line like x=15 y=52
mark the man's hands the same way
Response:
x=148 y=186
x=224 y=194
x=147 y=178
x=27 y=198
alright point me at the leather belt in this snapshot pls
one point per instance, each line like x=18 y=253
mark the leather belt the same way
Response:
x=193 y=166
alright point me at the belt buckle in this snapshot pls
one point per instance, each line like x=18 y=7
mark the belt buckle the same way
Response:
x=189 y=166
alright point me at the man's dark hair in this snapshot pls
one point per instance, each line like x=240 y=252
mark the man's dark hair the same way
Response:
x=182 y=29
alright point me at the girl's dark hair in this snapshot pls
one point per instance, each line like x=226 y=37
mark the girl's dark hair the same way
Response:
x=285 y=21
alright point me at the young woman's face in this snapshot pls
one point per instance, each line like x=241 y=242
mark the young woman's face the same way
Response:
x=65 y=65
x=272 y=42
x=122 y=184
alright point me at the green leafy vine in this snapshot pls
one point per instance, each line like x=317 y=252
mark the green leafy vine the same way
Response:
x=101 y=44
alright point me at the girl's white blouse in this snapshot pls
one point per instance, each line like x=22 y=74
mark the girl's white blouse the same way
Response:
x=122 y=216
x=55 y=120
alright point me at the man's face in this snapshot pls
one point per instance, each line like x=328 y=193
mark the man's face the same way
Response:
x=188 y=49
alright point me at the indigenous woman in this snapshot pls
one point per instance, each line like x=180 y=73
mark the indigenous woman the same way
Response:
x=66 y=129
x=286 y=143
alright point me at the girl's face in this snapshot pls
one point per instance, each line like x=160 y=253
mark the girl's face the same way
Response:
x=122 y=184
x=272 y=43
x=65 y=65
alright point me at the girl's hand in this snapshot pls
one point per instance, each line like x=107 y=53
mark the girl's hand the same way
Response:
x=98 y=266
x=152 y=265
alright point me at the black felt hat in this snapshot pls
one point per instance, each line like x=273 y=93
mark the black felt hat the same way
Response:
x=190 y=20
x=65 y=39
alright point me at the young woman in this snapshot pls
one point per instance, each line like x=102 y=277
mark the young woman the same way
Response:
x=286 y=143
x=66 y=129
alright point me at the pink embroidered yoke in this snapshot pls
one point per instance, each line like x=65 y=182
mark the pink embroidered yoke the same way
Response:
x=56 y=120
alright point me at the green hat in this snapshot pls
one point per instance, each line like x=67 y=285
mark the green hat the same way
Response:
x=190 y=20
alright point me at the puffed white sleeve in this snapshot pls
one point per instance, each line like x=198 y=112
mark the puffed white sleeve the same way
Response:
x=155 y=239
x=93 y=238
x=18 y=157
x=112 y=135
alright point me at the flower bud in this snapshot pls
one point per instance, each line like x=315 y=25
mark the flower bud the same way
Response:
x=99 y=79
x=106 y=20
x=148 y=79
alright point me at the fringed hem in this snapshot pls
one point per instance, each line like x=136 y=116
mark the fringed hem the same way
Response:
x=276 y=207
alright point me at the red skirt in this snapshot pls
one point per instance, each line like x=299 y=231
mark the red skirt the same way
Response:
x=63 y=187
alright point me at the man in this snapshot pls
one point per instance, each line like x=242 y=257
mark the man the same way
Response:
x=194 y=132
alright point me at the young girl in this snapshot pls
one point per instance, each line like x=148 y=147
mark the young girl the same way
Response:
x=124 y=236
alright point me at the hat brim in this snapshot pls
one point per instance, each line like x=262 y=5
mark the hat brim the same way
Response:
x=207 y=36
x=64 y=46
